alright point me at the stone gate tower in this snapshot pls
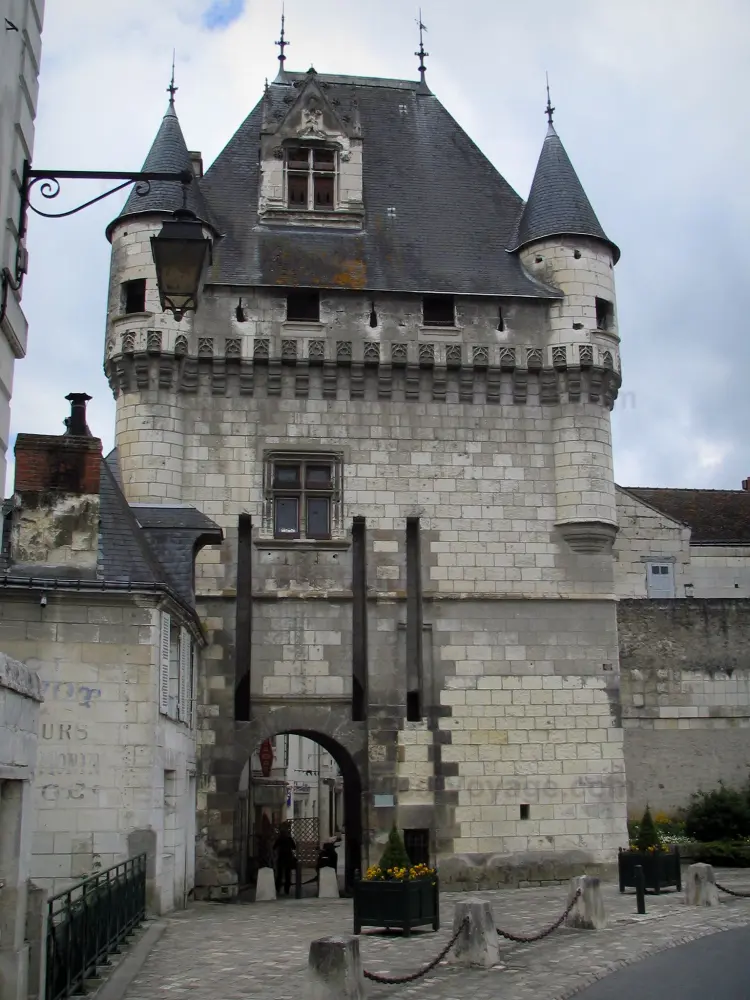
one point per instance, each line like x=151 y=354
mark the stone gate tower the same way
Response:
x=395 y=399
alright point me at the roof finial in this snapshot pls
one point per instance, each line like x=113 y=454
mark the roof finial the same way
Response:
x=421 y=53
x=282 y=42
x=171 y=89
x=549 y=110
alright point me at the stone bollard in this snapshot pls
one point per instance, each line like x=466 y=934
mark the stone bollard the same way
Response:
x=265 y=888
x=335 y=970
x=588 y=910
x=477 y=944
x=700 y=886
x=328 y=884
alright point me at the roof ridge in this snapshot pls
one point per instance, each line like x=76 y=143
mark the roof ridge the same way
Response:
x=687 y=489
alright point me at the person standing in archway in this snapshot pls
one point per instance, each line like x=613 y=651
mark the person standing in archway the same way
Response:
x=285 y=848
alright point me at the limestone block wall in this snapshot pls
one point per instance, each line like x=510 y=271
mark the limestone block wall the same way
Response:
x=20 y=697
x=645 y=535
x=685 y=677
x=532 y=748
x=720 y=571
x=113 y=775
x=482 y=483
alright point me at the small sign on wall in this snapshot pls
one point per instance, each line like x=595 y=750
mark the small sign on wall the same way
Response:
x=383 y=801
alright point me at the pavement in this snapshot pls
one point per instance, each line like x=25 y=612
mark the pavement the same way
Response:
x=215 y=951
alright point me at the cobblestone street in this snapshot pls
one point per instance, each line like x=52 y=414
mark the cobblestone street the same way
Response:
x=228 y=952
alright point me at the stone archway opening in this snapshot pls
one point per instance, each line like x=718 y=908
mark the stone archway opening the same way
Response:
x=307 y=778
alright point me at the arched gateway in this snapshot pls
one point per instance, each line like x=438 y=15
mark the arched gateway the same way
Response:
x=343 y=740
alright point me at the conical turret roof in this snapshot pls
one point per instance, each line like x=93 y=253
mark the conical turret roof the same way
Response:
x=169 y=152
x=557 y=204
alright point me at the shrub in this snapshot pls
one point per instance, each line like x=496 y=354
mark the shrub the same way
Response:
x=720 y=815
x=648 y=835
x=394 y=855
x=724 y=854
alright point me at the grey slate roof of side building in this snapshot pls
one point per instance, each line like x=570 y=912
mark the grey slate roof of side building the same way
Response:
x=173 y=532
x=139 y=545
x=715 y=517
x=557 y=203
x=169 y=152
x=438 y=217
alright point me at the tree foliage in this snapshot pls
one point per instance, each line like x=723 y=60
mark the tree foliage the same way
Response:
x=394 y=855
x=648 y=835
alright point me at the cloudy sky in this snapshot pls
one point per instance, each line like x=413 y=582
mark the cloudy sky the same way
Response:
x=651 y=99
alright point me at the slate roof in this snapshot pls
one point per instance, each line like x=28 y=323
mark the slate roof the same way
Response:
x=124 y=553
x=169 y=152
x=557 y=203
x=715 y=517
x=173 y=532
x=438 y=215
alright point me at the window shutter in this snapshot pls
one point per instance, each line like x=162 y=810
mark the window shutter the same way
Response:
x=166 y=628
x=183 y=706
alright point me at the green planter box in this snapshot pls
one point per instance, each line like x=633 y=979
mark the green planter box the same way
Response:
x=397 y=905
x=660 y=871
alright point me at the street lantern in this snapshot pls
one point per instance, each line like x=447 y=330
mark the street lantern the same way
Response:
x=181 y=254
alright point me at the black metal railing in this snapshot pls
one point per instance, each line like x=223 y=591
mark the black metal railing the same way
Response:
x=89 y=921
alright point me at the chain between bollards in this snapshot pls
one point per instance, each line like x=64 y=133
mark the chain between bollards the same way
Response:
x=399 y=980
x=528 y=938
x=733 y=892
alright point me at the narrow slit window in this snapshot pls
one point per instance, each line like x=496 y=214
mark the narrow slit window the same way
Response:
x=413 y=707
x=134 y=296
x=303 y=307
x=524 y=811
x=438 y=310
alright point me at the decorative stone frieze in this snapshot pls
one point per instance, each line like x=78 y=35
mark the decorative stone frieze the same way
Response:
x=473 y=374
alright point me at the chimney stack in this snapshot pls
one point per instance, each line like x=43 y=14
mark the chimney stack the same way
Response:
x=56 y=516
x=66 y=463
x=76 y=423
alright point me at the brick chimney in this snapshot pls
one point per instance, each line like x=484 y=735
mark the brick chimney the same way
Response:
x=56 y=494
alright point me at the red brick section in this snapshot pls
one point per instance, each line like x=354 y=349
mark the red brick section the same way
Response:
x=63 y=463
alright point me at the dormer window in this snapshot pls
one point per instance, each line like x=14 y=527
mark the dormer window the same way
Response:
x=311 y=178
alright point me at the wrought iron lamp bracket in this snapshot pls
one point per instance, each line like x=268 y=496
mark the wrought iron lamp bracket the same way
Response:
x=49 y=188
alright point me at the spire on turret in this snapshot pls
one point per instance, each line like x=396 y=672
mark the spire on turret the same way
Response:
x=422 y=55
x=169 y=152
x=282 y=44
x=171 y=89
x=549 y=110
x=557 y=204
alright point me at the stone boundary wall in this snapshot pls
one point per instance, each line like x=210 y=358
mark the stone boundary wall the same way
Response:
x=685 y=688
